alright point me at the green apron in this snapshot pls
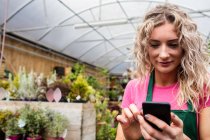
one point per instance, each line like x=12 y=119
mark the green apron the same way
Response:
x=187 y=116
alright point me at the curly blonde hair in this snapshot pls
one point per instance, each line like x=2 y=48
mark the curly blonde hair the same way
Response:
x=193 y=73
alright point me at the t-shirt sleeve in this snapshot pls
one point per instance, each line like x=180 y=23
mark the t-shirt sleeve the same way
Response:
x=127 y=95
x=205 y=103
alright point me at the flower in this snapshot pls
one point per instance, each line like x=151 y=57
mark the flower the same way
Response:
x=21 y=123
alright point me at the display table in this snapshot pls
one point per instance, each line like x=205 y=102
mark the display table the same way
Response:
x=81 y=116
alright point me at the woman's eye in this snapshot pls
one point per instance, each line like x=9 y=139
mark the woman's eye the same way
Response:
x=175 y=45
x=154 y=45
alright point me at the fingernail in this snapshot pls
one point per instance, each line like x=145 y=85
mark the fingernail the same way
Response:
x=141 y=111
x=125 y=121
x=147 y=116
x=173 y=115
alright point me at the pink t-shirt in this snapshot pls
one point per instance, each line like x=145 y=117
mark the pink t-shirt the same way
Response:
x=136 y=92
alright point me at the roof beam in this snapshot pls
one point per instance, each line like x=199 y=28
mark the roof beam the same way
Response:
x=19 y=9
x=126 y=15
x=92 y=27
x=100 y=44
x=128 y=44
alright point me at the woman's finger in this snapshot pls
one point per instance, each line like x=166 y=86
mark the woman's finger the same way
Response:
x=128 y=114
x=122 y=119
x=145 y=135
x=156 y=121
x=148 y=128
x=133 y=108
x=176 y=120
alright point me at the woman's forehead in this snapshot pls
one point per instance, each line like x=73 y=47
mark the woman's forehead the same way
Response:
x=166 y=30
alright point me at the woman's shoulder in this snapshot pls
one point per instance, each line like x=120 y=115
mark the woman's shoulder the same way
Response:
x=134 y=81
x=138 y=83
x=135 y=92
x=139 y=80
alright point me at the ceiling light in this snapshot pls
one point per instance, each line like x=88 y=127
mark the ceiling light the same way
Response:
x=101 y=23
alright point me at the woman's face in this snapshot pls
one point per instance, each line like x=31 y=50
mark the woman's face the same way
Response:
x=164 y=51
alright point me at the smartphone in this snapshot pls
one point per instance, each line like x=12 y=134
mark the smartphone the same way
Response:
x=161 y=110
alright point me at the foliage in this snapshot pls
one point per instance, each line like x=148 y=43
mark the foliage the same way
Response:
x=4 y=84
x=80 y=87
x=4 y=116
x=51 y=78
x=77 y=69
x=35 y=120
x=27 y=85
x=66 y=79
x=56 y=125
x=12 y=126
x=106 y=126
x=13 y=86
x=113 y=94
x=116 y=90
x=92 y=81
x=76 y=83
x=105 y=72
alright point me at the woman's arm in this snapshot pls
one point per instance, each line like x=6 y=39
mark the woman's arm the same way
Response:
x=128 y=127
x=120 y=135
x=204 y=123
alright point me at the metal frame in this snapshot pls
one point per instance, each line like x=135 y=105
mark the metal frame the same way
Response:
x=76 y=14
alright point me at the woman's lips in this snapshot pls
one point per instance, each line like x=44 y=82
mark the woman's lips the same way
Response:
x=165 y=64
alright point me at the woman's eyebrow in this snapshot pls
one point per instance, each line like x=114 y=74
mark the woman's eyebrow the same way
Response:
x=153 y=40
x=173 y=40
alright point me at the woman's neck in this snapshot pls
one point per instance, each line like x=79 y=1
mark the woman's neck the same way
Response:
x=163 y=79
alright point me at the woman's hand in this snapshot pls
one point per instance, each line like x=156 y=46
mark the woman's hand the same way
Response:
x=172 y=132
x=129 y=123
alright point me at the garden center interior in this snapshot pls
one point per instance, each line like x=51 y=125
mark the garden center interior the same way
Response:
x=68 y=61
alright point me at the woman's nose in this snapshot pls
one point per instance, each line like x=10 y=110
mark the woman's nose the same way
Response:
x=163 y=52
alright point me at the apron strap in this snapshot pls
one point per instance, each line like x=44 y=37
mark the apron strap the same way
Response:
x=190 y=106
x=150 y=86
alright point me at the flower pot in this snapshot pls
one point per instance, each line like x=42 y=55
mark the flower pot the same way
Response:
x=52 y=138
x=2 y=135
x=80 y=101
x=35 y=138
x=15 y=137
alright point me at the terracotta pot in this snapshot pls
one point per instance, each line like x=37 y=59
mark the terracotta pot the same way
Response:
x=52 y=138
x=36 y=138
x=15 y=137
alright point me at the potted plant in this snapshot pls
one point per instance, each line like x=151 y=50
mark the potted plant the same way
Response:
x=35 y=121
x=113 y=94
x=80 y=90
x=57 y=125
x=27 y=86
x=13 y=130
x=4 y=116
x=106 y=125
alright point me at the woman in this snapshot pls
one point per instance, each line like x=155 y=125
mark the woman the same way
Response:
x=171 y=54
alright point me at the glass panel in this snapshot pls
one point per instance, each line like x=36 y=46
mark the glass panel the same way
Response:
x=78 y=49
x=12 y=5
x=96 y=52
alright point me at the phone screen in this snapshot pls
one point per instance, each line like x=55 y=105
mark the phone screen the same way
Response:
x=159 y=109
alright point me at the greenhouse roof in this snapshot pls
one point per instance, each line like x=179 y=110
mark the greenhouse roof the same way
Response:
x=97 y=32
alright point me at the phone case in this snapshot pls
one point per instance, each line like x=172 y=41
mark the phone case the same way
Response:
x=159 y=109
